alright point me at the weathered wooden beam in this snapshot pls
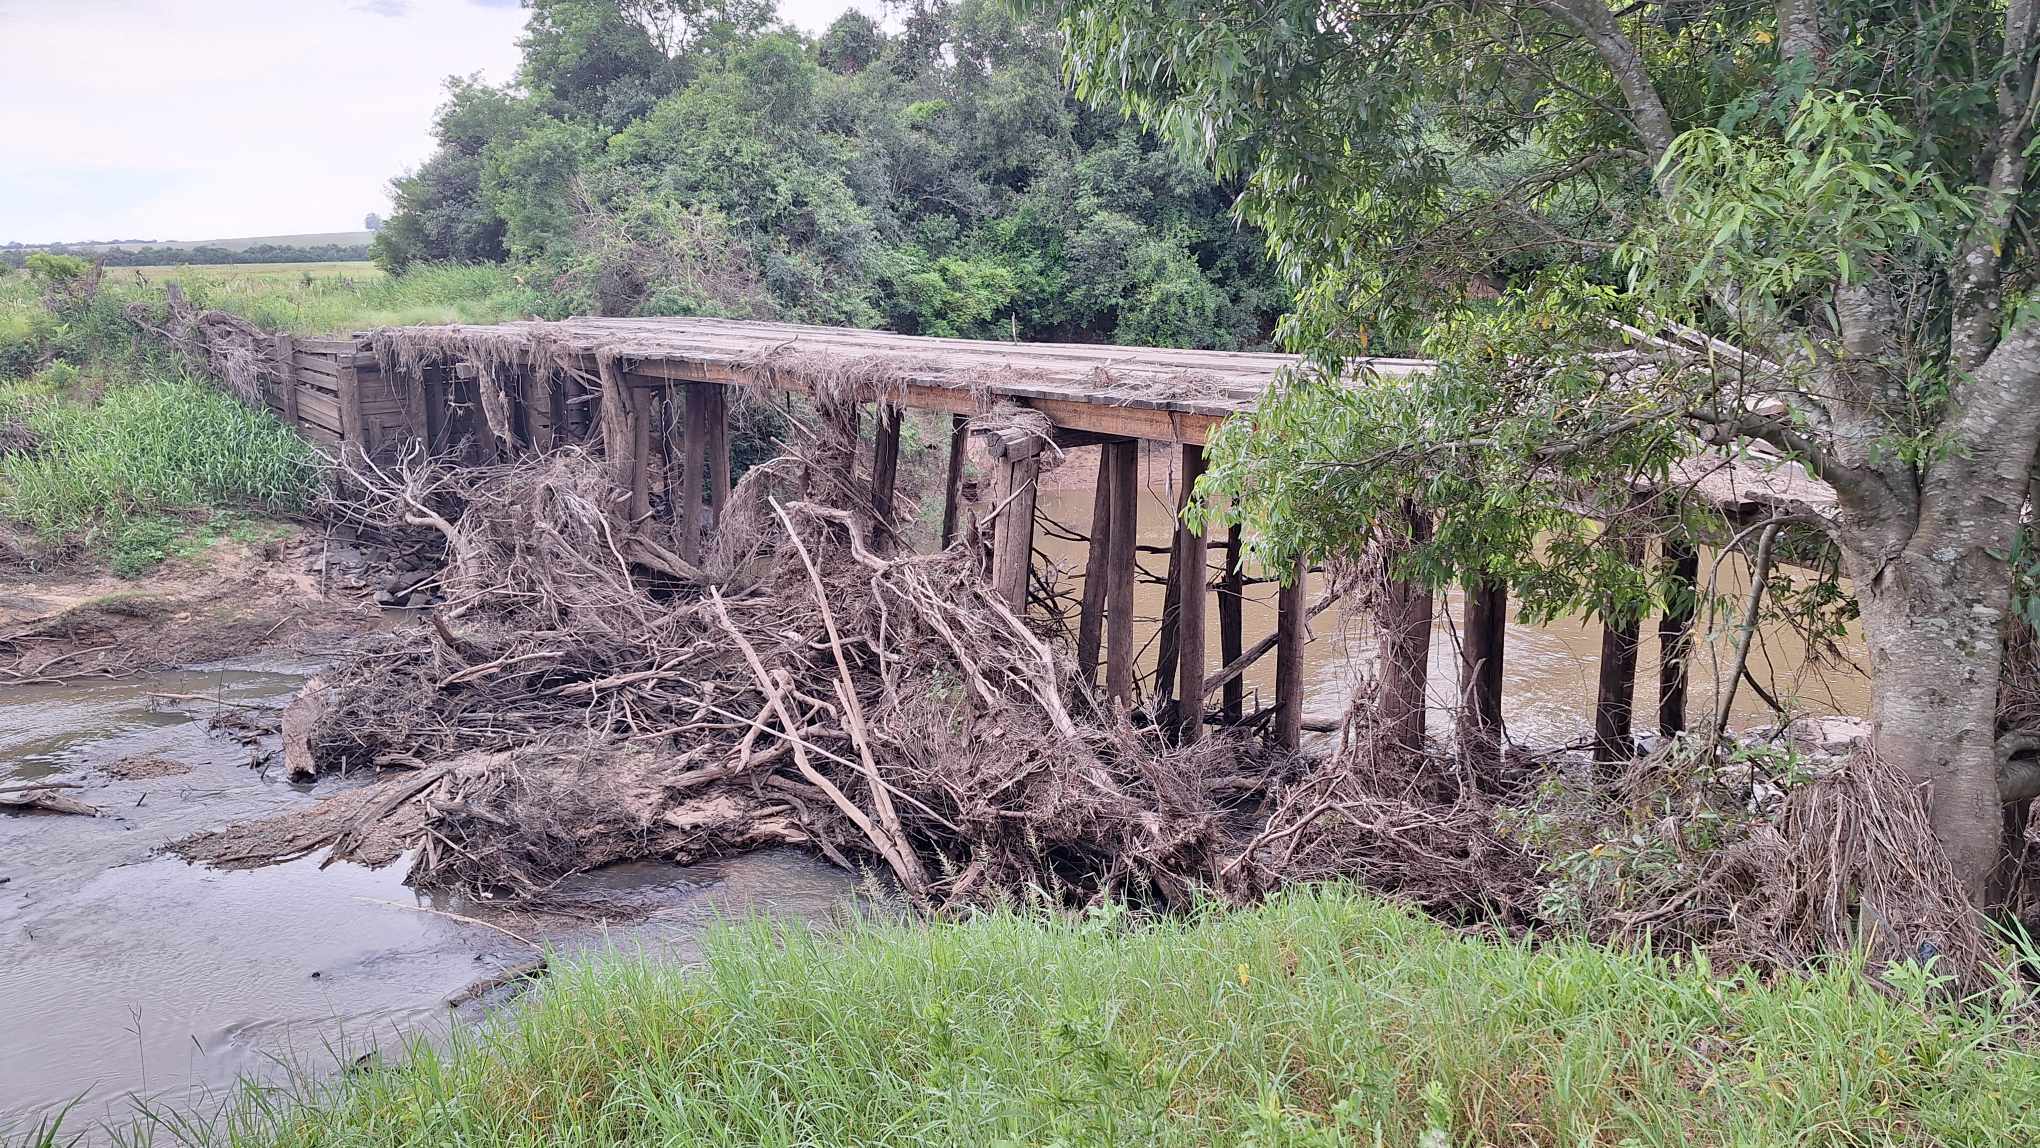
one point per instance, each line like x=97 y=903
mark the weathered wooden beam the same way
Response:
x=1013 y=529
x=1123 y=461
x=885 y=460
x=1191 y=577
x=718 y=453
x=640 y=464
x=1232 y=599
x=688 y=504
x=1675 y=633
x=286 y=368
x=1483 y=642
x=952 y=487
x=1091 y=612
x=1404 y=623
x=1289 y=635
x=1105 y=419
x=348 y=382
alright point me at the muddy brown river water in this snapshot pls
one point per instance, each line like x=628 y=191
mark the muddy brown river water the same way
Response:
x=126 y=973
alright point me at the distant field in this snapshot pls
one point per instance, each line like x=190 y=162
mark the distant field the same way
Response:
x=317 y=239
x=245 y=272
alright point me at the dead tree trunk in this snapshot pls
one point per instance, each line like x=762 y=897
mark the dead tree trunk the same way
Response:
x=1482 y=643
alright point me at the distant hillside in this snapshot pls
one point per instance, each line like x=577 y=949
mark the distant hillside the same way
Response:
x=318 y=239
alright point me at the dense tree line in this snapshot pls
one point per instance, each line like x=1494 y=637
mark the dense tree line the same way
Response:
x=682 y=156
x=196 y=256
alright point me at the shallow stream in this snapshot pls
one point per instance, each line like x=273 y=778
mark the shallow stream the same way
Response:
x=125 y=973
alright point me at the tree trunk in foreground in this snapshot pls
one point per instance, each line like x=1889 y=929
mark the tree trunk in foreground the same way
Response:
x=1931 y=622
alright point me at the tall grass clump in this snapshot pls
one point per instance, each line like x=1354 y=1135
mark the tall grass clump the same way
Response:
x=1324 y=1017
x=143 y=448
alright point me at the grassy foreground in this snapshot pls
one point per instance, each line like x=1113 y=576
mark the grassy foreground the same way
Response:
x=1323 y=1018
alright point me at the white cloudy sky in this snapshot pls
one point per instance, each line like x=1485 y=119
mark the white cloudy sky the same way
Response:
x=212 y=119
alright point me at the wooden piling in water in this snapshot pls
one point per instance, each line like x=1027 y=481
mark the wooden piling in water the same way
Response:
x=1232 y=596
x=1404 y=622
x=1675 y=632
x=1191 y=579
x=1016 y=470
x=1615 y=688
x=1091 y=608
x=1122 y=459
x=1482 y=644
x=1289 y=635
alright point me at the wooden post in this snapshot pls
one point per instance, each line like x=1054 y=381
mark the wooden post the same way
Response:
x=1091 y=614
x=687 y=498
x=885 y=460
x=286 y=365
x=1615 y=692
x=1289 y=627
x=1404 y=622
x=1122 y=459
x=952 y=490
x=1166 y=636
x=1232 y=598
x=718 y=453
x=1013 y=533
x=640 y=452
x=1675 y=632
x=1191 y=579
x=348 y=383
x=1480 y=666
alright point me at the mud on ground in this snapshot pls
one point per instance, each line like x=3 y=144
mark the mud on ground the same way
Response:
x=236 y=599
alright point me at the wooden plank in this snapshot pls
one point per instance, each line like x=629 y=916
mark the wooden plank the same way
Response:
x=1013 y=531
x=1124 y=462
x=1675 y=633
x=1192 y=576
x=1091 y=613
x=351 y=425
x=885 y=460
x=319 y=411
x=1289 y=637
x=952 y=487
x=687 y=497
x=286 y=361
x=1061 y=409
x=1232 y=598
x=1482 y=645
x=325 y=365
x=330 y=346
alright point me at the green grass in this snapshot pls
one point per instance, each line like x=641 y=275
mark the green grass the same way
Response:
x=1324 y=1018
x=309 y=303
x=129 y=469
x=279 y=275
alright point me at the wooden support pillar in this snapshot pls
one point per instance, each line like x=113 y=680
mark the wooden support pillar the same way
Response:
x=640 y=452
x=1122 y=459
x=1232 y=599
x=687 y=497
x=1482 y=644
x=286 y=367
x=885 y=461
x=718 y=452
x=1615 y=692
x=1015 y=471
x=1091 y=614
x=1191 y=578
x=1675 y=632
x=1289 y=633
x=952 y=489
x=1166 y=635
x=1404 y=623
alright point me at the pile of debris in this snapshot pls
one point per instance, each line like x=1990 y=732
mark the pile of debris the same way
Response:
x=582 y=696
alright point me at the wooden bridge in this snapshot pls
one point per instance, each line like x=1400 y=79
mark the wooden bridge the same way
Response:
x=646 y=388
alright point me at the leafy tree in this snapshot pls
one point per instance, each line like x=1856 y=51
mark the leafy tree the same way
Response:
x=1842 y=187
